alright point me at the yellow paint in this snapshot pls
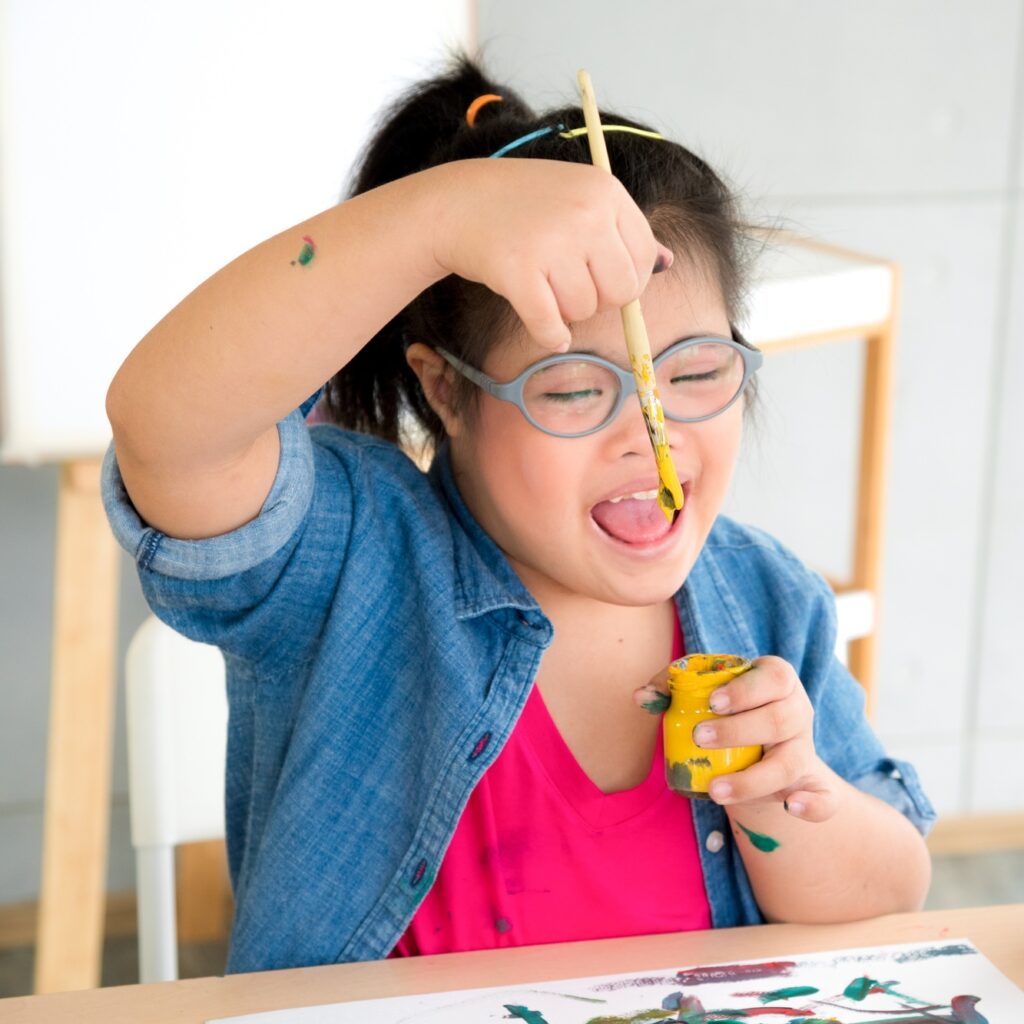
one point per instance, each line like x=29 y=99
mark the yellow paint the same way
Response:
x=689 y=768
x=670 y=492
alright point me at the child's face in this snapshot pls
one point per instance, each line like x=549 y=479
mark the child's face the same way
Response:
x=536 y=494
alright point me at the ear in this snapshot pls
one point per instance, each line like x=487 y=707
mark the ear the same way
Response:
x=437 y=379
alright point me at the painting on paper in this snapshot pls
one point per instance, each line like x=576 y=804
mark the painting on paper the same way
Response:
x=947 y=982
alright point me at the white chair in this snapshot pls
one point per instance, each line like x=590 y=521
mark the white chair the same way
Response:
x=177 y=717
x=855 y=618
x=177 y=736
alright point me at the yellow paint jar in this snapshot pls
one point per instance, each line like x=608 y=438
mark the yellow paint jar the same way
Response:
x=689 y=768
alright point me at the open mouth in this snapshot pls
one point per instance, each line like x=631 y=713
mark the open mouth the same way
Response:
x=635 y=519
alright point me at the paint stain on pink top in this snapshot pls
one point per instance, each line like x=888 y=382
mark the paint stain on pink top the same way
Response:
x=540 y=854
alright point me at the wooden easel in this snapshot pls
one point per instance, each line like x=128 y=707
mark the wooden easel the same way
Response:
x=77 y=806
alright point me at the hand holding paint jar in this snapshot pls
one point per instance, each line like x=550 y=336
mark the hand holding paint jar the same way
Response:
x=690 y=768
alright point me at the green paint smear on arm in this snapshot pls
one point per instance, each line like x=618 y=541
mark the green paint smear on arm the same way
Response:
x=761 y=842
x=788 y=993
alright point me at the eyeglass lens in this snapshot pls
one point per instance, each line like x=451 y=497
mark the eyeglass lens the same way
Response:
x=573 y=397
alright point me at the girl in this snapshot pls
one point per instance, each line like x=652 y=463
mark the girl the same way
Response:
x=434 y=741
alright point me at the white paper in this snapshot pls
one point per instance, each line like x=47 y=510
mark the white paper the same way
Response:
x=914 y=983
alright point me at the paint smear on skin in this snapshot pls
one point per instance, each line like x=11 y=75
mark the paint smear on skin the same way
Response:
x=307 y=253
x=761 y=842
x=658 y=703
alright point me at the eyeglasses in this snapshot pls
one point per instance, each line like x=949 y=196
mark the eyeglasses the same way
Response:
x=572 y=395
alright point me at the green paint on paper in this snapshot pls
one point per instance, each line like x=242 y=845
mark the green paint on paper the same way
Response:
x=502 y=925
x=788 y=993
x=858 y=989
x=761 y=842
x=658 y=704
x=530 y=1016
x=643 y=1015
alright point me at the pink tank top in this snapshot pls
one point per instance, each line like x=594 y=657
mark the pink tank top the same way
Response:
x=541 y=854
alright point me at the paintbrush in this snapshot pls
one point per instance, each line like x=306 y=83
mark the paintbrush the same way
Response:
x=670 y=493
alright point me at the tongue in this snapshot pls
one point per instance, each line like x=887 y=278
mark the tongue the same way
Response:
x=632 y=521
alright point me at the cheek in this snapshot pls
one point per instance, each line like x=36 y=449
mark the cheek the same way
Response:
x=532 y=477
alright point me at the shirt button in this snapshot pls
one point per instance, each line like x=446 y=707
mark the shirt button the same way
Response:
x=715 y=841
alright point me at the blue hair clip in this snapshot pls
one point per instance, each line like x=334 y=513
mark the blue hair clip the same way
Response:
x=525 y=139
x=572 y=134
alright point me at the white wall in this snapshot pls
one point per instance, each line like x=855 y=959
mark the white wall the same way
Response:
x=897 y=129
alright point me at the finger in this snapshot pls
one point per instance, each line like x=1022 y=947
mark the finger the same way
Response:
x=652 y=698
x=643 y=248
x=770 y=679
x=534 y=302
x=614 y=277
x=575 y=291
x=780 y=768
x=812 y=805
x=768 y=725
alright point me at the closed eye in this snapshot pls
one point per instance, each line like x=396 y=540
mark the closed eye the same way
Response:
x=569 y=396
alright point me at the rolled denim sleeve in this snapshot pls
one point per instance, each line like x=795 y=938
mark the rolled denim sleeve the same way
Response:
x=247 y=589
x=843 y=736
x=230 y=553
x=896 y=783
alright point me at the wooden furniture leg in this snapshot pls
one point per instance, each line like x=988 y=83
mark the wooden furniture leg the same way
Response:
x=204 y=892
x=77 y=801
x=874 y=458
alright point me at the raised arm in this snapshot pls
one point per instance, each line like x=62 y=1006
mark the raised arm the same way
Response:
x=194 y=406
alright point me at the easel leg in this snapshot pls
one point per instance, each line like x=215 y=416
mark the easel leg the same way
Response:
x=874 y=458
x=77 y=808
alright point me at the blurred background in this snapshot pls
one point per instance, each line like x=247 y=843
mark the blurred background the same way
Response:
x=893 y=129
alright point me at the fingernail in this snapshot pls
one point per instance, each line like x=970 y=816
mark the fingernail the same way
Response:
x=705 y=735
x=795 y=808
x=720 y=790
x=719 y=702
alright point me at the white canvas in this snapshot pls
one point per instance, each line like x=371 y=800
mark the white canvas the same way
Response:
x=913 y=983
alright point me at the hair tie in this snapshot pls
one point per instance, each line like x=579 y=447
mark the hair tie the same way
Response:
x=480 y=101
x=572 y=133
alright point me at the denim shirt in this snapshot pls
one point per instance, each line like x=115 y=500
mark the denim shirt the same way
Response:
x=379 y=650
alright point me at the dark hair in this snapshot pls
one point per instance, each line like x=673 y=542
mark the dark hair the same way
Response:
x=689 y=207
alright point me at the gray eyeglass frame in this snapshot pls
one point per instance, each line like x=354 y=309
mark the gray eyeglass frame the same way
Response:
x=513 y=390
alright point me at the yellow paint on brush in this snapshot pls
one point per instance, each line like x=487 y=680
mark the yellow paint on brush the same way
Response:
x=670 y=492
x=689 y=768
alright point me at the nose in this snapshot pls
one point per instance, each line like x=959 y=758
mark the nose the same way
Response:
x=627 y=433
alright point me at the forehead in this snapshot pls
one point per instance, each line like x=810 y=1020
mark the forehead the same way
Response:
x=681 y=303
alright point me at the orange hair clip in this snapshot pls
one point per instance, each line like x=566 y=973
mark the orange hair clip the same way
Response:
x=480 y=101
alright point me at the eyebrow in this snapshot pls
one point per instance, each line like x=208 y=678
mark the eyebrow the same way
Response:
x=689 y=337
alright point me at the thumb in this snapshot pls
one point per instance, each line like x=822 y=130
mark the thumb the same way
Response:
x=807 y=805
x=654 y=697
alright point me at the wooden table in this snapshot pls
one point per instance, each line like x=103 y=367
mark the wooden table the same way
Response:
x=997 y=931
